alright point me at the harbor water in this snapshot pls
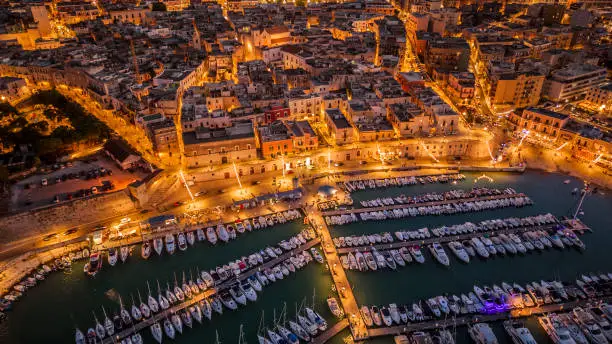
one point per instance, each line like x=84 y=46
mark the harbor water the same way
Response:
x=49 y=312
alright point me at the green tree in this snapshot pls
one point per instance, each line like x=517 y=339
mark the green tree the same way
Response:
x=159 y=6
x=301 y=3
x=49 y=145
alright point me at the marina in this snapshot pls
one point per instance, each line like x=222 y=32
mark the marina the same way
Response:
x=353 y=290
x=207 y=294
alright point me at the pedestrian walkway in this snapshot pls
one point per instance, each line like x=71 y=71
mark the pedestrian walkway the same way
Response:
x=347 y=299
x=331 y=332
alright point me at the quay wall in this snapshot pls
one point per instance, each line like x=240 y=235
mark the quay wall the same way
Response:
x=66 y=215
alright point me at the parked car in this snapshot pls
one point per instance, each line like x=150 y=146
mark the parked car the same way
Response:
x=44 y=182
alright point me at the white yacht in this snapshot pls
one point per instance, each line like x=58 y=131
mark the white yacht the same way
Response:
x=518 y=332
x=124 y=252
x=200 y=234
x=438 y=252
x=481 y=333
x=145 y=250
x=459 y=251
x=190 y=238
x=556 y=330
x=248 y=291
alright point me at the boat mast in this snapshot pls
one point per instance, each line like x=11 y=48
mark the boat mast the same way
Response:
x=584 y=193
x=217 y=341
x=241 y=339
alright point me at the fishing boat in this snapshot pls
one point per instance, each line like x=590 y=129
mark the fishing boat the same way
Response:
x=518 y=332
x=156 y=332
x=124 y=252
x=190 y=238
x=145 y=250
x=481 y=333
x=158 y=245
x=182 y=242
x=94 y=265
x=112 y=256
x=170 y=246
x=438 y=252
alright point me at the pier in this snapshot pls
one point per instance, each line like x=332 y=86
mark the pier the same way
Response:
x=470 y=319
x=423 y=204
x=460 y=237
x=207 y=293
x=331 y=332
x=345 y=292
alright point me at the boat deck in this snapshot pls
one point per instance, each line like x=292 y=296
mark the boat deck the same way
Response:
x=470 y=319
x=444 y=239
x=424 y=204
x=164 y=314
x=347 y=299
x=331 y=332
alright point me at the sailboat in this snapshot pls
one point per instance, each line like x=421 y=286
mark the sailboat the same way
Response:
x=163 y=302
x=190 y=238
x=211 y=235
x=200 y=234
x=156 y=332
x=108 y=324
x=169 y=329
x=206 y=308
x=79 y=338
x=136 y=314
x=144 y=309
x=153 y=305
x=176 y=322
x=125 y=315
x=100 y=332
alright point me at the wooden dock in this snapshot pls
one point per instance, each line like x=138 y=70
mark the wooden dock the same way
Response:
x=203 y=295
x=470 y=319
x=331 y=332
x=424 y=204
x=347 y=299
